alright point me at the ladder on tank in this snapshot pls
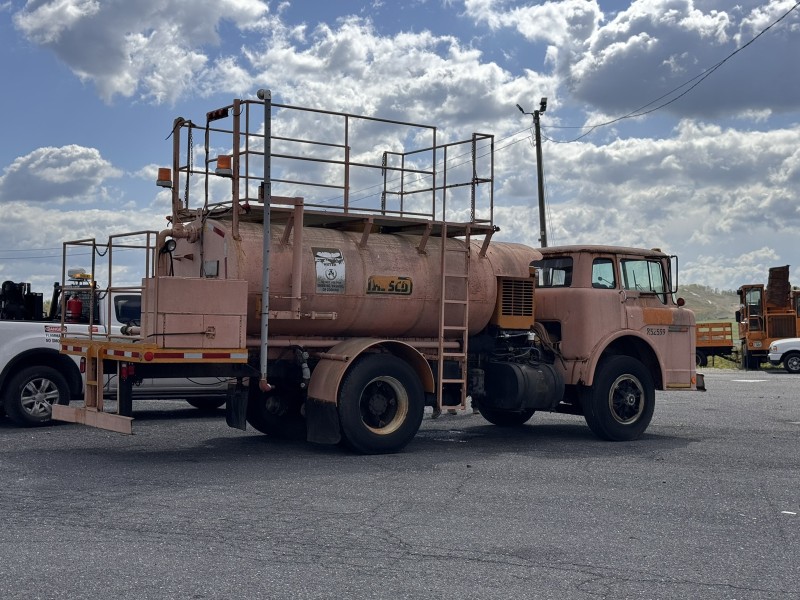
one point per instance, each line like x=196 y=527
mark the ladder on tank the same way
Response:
x=453 y=323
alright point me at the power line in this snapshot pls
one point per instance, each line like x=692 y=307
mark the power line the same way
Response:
x=697 y=79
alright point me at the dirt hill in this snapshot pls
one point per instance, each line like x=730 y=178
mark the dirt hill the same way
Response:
x=709 y=304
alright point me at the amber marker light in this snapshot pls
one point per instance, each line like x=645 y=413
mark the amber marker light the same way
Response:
x=164 y=178
x=224 y=165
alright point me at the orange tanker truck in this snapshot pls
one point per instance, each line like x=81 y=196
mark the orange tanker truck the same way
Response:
x=343 y=289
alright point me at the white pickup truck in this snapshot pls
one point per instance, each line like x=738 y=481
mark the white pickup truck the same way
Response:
x=786 y=351
x=34 y=374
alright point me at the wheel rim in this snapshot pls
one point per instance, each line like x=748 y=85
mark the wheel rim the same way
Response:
x=38 y=396
x=626 y=399
x=793 y=363
x=384 y=405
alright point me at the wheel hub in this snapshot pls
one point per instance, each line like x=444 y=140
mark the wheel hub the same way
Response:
x=625 y=400
x=378 y=404
x=37 y=398
x=384 y=405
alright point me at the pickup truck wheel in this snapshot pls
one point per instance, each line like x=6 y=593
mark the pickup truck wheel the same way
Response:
x=381 y=404
x=620 y=404
x=791 y=362
x=206 y=404
x=506 y=418
x=278 y=413
x=31 y=394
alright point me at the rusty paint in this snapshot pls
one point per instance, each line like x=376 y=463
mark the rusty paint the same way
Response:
x=657 y=316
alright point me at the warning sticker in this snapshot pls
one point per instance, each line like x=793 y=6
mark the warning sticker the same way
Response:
x=329 y=264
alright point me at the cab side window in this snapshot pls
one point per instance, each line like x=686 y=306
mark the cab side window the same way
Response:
x=603 y=275
x=553 y=272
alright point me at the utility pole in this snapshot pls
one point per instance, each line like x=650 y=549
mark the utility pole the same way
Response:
x=539 y=171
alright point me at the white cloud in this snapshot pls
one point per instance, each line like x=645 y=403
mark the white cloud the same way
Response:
x=156 y=49
x=57 y=175
x=654 y=46
x=704 y=188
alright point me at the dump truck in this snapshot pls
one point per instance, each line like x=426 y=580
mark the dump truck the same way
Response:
x=766 y=314
x=346 y=288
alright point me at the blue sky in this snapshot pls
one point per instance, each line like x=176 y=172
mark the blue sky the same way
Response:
x=90 y=89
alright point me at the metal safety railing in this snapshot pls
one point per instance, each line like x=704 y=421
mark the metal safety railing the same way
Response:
x=350 y=164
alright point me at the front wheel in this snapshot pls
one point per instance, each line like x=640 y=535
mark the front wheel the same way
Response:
x=32 y=392
x=506 y=418
x=620 y=404
x=381 y=404
x=791 y=362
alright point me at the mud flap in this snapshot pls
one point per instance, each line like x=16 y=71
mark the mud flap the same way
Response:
x=236 y=406
x=701 y=382
x=322 y=422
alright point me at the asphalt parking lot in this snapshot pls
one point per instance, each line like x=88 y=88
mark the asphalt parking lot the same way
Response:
x=705 y=505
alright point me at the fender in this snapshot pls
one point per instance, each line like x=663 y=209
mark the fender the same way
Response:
x=322 y=417
x=583 y=371
x=67 y=366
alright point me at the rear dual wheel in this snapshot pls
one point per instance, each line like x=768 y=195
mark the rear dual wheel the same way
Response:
x=278 y=413
x=381 y=404
x=700 y=358
x=206 y=404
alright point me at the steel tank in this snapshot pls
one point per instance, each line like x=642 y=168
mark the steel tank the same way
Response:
x=388 y=288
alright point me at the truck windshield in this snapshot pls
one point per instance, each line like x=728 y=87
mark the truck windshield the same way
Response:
x=553 y=272
x=644 y=276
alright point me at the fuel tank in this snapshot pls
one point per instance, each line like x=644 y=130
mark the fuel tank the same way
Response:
x=385 y=288
x=517 y=386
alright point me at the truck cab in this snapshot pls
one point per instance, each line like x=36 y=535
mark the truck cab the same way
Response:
x=609 y=309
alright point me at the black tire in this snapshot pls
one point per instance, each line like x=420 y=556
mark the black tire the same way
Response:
x=381 y=404
x=749 y=362
x=31 y=394
x=208 y=404
x=278 y=413
x=700 y=358
x=620 y=404
x=506 y=418
x=791 y=362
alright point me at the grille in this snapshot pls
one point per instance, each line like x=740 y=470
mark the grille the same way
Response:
x=781 y=326
x=517 y=298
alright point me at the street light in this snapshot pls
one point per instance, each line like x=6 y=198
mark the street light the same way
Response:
x=538 y=137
